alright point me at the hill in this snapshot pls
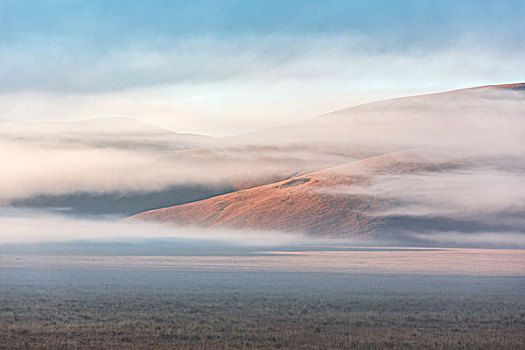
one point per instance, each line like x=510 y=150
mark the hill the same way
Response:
x=311 y=203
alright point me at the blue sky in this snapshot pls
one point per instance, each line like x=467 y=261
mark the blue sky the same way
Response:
x=227 y=67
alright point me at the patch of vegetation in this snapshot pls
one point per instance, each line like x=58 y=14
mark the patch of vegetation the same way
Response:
x=294 y=182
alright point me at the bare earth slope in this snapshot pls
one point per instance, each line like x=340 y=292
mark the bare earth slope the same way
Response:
x=309 y=203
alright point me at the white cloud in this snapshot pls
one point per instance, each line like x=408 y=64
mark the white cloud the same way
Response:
x=209 y=85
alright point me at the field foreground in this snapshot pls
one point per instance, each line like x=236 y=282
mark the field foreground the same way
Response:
x=361 y=298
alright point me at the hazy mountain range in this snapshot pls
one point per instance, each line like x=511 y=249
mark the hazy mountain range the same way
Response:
x=433 y=164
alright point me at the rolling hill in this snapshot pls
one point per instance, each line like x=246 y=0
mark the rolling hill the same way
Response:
x=464 y=120
x=311 y=203
x=482 y=126
x=465 y=132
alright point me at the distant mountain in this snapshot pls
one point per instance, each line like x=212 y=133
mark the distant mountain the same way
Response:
x=122 y=133
x=466 y=120
x=131 y=136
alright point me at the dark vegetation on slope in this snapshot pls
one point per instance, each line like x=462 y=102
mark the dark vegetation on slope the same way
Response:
x=119 y=203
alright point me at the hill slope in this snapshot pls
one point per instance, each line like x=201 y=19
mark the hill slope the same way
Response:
x=463 y=120
x=309 y=203
x=479 y=129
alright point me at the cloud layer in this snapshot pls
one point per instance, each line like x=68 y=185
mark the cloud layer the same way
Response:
x=33 y=227
x=481 y=129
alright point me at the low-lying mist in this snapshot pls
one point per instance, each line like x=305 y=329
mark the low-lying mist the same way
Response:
x=456 y=193
x=122 y=167
x=21 y=227
x=45 y=158
x=42 y=230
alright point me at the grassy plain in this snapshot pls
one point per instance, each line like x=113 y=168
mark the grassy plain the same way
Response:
x=130 y=308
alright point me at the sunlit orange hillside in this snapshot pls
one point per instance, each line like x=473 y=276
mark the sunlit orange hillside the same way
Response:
x=319 y=202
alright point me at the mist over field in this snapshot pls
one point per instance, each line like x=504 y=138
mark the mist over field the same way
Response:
x=38 y=227
x=467 y=185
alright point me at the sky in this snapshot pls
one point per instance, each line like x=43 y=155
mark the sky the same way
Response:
x=228 y=67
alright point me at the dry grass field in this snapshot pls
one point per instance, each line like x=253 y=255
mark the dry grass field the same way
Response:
x=127 y=308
